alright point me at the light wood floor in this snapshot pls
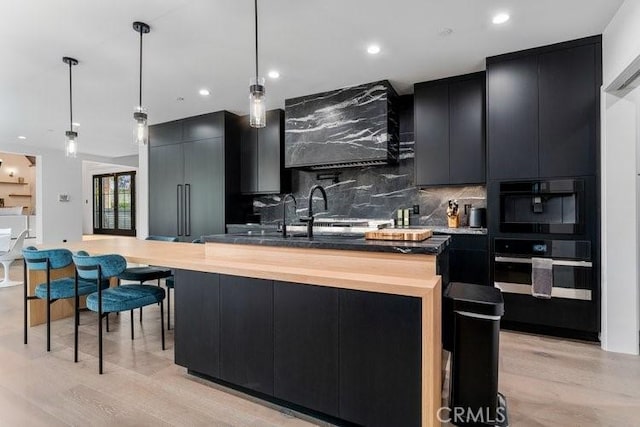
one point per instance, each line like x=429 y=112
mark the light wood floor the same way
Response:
x=547 y=382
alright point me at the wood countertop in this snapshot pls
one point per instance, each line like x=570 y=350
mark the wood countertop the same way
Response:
x=392 y=273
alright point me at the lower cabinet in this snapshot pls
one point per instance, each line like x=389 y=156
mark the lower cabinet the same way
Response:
x=380 y=355
x=306 y=346
x=469 y=259
x=351 y=355
x=246 y=332
x=197 y=324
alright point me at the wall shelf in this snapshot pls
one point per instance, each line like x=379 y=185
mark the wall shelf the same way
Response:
x=19 y=195
x=15 y=183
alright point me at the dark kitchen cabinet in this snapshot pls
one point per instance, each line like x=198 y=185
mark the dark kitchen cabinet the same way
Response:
x=569 y=107
x=512 y=92
x=204 y=187
x=431 y=120
x=469 y=259
x=246 y=332
x=166 y=186
x=543 y=111
x=449 y=131
x=383 y=390
x=166 y=133
x=197 y=325
x=466 y=131
x=306 y=346
x=205 y=126
x=194 y=176
x=262 y=156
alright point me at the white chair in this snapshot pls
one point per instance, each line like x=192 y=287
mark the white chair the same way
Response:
x=5 y=240
x=7 y=259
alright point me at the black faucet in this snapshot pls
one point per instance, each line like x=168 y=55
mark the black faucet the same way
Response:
x=284 y=212
x=310 y=219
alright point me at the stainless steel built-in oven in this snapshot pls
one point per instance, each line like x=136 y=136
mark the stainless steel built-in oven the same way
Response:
x=543 y=207
x=572 y=272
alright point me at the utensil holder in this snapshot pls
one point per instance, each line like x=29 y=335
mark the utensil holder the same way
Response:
x=453 y=221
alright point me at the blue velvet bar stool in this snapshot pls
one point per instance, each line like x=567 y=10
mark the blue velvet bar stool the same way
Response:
x=52 y=290
x=113 y=300
x=170 y=283
x=145 y=274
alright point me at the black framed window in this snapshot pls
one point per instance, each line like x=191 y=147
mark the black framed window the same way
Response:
x=114 y=204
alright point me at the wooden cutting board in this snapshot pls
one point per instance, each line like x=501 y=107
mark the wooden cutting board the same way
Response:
x=413 y=235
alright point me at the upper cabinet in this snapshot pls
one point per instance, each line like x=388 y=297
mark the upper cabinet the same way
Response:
x=543 y=111
x=512 y=88
x=262 y=156
x=569 y=86
x=449 y=131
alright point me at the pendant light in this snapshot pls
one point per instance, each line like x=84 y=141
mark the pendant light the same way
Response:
x=71 y=143
x=257 y=107
x=141 y=127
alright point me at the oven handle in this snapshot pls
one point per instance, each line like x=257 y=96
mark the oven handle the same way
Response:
x=562 y=262
x=556 y=291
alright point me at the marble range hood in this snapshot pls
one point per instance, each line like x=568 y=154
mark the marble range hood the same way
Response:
x=353 y=126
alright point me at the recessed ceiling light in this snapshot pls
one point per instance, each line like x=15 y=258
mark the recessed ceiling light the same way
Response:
x=274 y=74
x=500 y=18
x=204 y=92
x=373 y=49
x=22 y=137
x=445 y=32
x=180 y=99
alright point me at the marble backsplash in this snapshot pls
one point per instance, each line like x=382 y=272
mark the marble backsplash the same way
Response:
x=375 y=191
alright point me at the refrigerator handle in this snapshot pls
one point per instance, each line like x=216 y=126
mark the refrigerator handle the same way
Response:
x=187 y=210
x=179 y=211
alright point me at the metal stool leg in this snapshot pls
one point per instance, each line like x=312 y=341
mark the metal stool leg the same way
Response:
x=162 y=321
x=132 y=324
x=168 y=309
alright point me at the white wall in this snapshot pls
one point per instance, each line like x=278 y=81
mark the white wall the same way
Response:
x=89 y=169
x=621 y=295
x=56 y=174
x=619 y=227
x=142 y=193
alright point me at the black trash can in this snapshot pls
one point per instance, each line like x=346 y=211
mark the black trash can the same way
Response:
x=473 y=335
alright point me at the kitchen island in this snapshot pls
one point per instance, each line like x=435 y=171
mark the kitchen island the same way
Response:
x=342 y=334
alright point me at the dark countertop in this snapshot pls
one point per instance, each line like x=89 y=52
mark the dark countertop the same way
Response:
x=437 y=229
x=433 y=246
x=459 y=230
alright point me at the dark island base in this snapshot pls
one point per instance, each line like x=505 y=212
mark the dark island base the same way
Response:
x=279 y=402
x=346 y=355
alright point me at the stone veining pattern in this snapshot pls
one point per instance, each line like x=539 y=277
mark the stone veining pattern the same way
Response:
x=375 y=192
x=357 y=123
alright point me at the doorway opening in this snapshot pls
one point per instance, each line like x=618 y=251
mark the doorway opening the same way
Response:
x=114 y=203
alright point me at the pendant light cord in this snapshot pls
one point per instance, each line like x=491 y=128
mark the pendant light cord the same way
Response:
x=70 y=99
x=140 y=92
x=256 y=17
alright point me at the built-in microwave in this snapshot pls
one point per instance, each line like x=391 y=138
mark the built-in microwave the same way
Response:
x=543 y=207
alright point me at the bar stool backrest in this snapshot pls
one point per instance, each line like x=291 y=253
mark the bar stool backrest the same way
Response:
x=37 y=259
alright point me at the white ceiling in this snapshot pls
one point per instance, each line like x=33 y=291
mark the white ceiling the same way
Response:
x=316 y=45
